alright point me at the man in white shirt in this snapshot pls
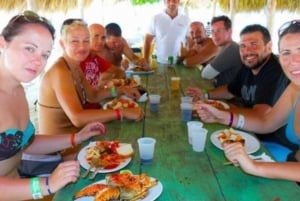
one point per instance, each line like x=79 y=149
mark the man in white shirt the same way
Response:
x=169 y=29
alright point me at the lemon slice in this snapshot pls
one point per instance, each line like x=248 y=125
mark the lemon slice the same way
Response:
x=125 y=172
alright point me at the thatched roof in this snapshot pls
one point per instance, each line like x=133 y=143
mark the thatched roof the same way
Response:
x=42 y=5
x=257 y=5
x=65 y=5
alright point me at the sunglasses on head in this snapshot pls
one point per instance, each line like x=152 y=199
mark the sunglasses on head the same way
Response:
x=32 y=17
x=72 y=20
x=289 y=26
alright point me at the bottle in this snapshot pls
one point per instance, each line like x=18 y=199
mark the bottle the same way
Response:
x=208 y=29
x=154 y=61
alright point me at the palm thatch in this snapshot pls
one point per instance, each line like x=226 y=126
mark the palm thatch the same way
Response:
x=243 y=6
x=42 y=5
x=257 y=5
x=290 y=5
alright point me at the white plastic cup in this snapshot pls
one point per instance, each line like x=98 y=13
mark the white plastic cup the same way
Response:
x=146 y=149
x=199 y=139
x=186 y=99
x=154 y=100
x=191 y=125
x=186 y=111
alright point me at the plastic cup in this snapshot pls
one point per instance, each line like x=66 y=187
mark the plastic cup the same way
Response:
x=199 y=139
x=191 y=126
x=175 y=83
x=146 y=149
x=186 y=99
x=186 y=111
x=154 y=100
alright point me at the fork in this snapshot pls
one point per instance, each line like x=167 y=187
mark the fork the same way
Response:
x=85 y=174
x=95 y=173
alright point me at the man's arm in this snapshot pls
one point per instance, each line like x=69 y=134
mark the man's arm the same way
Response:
x=147 y=45
x=205 y=53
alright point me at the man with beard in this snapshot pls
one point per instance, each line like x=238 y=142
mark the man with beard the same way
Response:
x=200 y=48
x=259 y=83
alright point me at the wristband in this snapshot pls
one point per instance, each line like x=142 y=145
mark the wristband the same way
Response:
x=231 y=119
x=35 y=188
x=241 y=121
x=119 y=114
x=206 y=95
x=113 y=92
x=47 y=186
x=72 y=140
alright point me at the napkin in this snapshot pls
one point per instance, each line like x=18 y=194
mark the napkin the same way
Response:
x=263 y=157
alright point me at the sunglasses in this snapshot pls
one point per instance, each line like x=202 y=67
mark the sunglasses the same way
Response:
x=32 y=17
x=72 y=20
x=291 y=26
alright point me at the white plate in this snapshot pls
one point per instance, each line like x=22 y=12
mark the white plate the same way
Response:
x=83 y=162
x=225 y=105
x=153 y=193
x=251 y=143
x=139 y=72
x=131 y=71
x=122 y=97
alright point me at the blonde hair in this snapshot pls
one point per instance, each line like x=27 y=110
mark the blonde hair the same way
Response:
x=70 y=24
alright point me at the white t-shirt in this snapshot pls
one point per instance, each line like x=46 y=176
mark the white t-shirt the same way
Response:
x=168 y=33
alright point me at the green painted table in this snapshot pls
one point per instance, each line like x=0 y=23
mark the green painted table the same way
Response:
x=185 y=175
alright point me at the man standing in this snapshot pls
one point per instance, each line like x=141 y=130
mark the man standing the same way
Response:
x=201 y=49
x=224 y=67
x=169 y=29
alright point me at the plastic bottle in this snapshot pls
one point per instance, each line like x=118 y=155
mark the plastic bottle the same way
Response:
x=154 y=61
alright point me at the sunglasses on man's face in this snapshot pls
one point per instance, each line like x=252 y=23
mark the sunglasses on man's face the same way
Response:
x=294 y=24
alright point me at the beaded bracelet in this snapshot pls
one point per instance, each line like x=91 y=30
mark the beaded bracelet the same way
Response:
x=241 y=121
x=72 y=140
x=113 y=92
x=35 y=188
x=47 y=185
x=231 y=119
x=119 y=114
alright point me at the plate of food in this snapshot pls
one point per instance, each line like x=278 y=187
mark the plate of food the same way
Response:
x=125 y=82
x=217 y=104
x=108 y=156
x=139 y=70
x=122 y=186
x=120 y=103
x=250 y=142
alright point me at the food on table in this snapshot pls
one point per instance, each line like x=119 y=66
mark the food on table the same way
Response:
x=141 y=69
x=119 y=186
x=125 y=82
x=108 y=154
x=121 y=103
x=217 y=104
x=101 y=192
x=132 y=187
x=229 y=136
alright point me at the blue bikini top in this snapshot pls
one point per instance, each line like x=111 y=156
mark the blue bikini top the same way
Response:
x=290 y=132
x=13 y=140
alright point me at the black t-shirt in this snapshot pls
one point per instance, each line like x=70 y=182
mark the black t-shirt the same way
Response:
x=263 y=88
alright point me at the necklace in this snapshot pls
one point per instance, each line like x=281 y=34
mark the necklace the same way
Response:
x=78 y=83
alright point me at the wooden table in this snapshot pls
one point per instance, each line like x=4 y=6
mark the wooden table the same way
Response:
x=185 y=175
